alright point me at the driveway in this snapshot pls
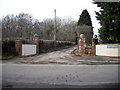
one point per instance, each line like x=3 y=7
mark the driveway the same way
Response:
x=64 y=56
x=38 y=76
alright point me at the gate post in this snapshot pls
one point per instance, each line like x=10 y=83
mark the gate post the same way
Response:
x=36 y=41
x=82 y=44
x=94 y=42
x=18 y=47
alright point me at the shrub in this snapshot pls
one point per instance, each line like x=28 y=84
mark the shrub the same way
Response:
x=8 y=48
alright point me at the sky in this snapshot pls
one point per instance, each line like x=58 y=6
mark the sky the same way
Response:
x=43 y=9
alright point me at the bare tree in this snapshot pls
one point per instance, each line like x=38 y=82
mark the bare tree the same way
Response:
x=24 y=26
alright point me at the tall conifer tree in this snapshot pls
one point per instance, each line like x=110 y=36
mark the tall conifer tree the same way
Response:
x=109 y=17
x=85 y=21
x=85 y=18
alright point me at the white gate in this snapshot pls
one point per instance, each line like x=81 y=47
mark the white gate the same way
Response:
x=28 y=49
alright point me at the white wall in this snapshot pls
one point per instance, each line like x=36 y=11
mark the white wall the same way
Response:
x=28 y=49
x=112 y=50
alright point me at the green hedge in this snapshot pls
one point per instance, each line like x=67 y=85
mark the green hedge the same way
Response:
x=8 y=48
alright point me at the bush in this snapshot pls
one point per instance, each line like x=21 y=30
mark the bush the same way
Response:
x=8 y=48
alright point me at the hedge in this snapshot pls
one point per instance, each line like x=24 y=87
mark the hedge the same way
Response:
x=8 y=48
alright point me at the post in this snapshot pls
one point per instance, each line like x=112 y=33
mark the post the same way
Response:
x=18 y=47
x=94 y=42
x=82 y=44
x=55 y=28
x=36 y=41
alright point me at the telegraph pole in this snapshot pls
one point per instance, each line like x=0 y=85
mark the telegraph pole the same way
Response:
x=55 y=28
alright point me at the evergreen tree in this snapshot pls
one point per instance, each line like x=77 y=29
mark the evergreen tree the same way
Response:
x=109 y=17
x=85 y=25
x=85 y=18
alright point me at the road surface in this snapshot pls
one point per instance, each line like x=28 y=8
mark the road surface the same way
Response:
x=38 y=76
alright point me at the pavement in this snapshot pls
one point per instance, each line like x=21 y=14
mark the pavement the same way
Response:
x=70 y=76
x=64 y=56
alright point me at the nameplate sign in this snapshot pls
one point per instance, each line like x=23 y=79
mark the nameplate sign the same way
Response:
x=112 y=46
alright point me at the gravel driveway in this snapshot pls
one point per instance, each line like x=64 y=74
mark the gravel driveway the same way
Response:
x=64 y=56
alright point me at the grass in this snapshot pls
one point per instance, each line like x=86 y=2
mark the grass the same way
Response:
x=8 y=57
x=11 y=57
x=76 y=52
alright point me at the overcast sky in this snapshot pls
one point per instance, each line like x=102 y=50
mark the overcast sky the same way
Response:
x=42 y=9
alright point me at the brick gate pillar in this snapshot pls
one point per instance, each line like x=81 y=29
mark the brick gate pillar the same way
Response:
x=94 y=42
x=36 y=41
x=93 y=48
x=82 y=46
x=18 y=47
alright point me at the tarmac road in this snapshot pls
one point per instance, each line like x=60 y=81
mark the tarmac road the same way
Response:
x=47 y=76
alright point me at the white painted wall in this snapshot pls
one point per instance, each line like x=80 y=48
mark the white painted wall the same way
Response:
x=112 y=50
x=28 y=49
